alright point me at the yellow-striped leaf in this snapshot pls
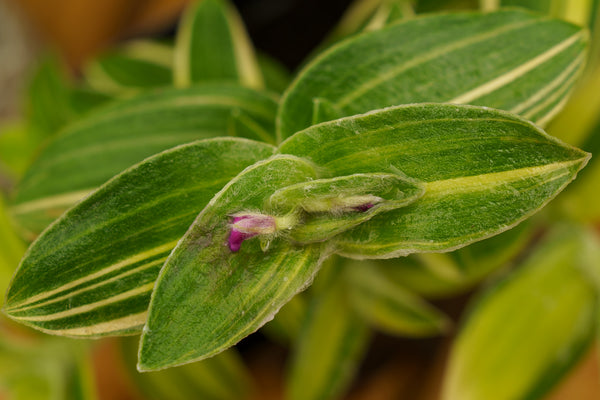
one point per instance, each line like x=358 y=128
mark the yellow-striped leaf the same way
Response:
x=510 y=60
x=93 y=150
x=212 y=45
x=209 y=295
x=483 y=170
x=92 y=272
x=528 y=330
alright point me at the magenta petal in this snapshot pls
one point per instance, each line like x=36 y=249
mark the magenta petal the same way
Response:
x=239 y=218
x=236 y=238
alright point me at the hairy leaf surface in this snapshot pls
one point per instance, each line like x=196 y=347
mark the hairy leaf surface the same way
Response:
x=92 y=272
x=208 y=297
x=510 y=60
x=93 y=150
x=483 y=170
x=327 y=207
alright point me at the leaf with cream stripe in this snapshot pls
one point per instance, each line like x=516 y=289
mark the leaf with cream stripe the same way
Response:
x=90 y=152
x=212 y=45
x=93 y=271
x=208 y=297
x=510 y=60
x=483 y=170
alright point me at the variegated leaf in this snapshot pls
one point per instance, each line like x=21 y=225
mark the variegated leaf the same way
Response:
x=210 y=295
x=483 y=170
x=92 y=272
x=510 y=60
x=94 y=149
x=212 y=45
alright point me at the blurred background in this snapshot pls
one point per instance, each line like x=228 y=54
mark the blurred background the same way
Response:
x=75 y=31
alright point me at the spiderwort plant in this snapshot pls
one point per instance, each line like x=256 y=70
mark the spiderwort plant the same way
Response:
x=192 y=215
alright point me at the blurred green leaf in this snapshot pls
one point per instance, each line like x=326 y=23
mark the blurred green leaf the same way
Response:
x=427 y=6
x=94 y=149
x=135 y=65
x=12 y=249
x=212 y=45
x=331 y=344
x=277 y=77
x=222 y=377
x=484 y=171
x=527 y=331
x=578 y=12
x=92 y=272
x=436 y=275
x=80 y=382
x=48 y=96
x=367 y=15
x=54 y=99
x=18 y=144
x=390 y=307
x=510 y=60
x=208 y=296
x=285 y=326
x=44 y=369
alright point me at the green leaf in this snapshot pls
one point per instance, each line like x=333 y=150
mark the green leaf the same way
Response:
x=12 y=249
x=277 y=77
x=577 y=12
x=209 y=297
x=136 y=65
x=18 y=143
x=285 y=326
x=332 y=206
x=92 y=272
x=91 y=151
x=390 y=307
x=80 y=383
x=527 y=331
x=48 y=106
x=212 y=45
x=331 y=344
x=435 y=275
x=510 y=60
x=483 y=170
x=43 y=368
x=53 y=100
x=222 y=377
x=367 y=15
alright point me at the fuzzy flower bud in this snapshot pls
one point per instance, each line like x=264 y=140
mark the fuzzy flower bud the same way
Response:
x=247 y=225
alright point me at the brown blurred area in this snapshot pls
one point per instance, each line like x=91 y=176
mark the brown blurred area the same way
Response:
x=79 y=29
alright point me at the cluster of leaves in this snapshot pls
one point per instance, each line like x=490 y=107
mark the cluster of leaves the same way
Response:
x=185 y=199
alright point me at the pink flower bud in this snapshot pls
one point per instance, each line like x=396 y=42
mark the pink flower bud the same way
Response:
x=246 y=226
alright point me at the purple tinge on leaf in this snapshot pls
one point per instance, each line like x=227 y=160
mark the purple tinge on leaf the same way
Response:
x=246 y=226
x=363 y=207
